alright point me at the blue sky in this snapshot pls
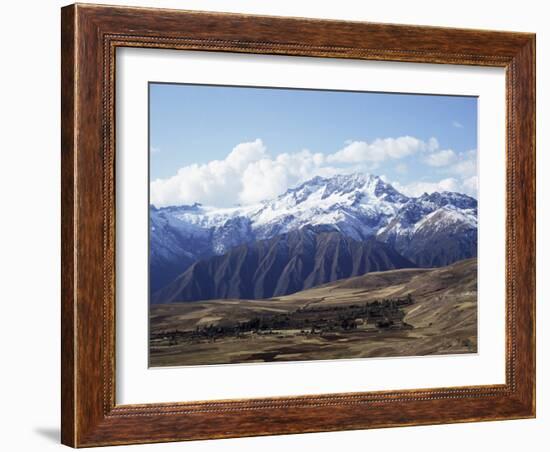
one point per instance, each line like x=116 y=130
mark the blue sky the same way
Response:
x=417 y=142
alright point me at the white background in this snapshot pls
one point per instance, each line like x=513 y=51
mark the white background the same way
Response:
x=30 y=225
x=137 y=384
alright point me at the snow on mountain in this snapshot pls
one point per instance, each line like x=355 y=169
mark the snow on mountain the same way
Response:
x=356 y=205
x=447 y=207
x=434 y=229
x=446 y=218
x=363 y=200
x=359 y=206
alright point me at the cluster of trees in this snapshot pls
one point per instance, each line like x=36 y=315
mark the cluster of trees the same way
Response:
x=383 y=314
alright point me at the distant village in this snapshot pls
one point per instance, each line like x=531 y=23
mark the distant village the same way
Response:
x=385 y=314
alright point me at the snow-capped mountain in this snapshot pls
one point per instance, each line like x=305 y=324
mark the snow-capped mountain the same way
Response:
x=358 y=206
x=434 y=229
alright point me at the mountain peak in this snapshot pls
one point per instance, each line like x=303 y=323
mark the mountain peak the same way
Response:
x=358 y=185
x=349 y=180
x=444 y=198
x=357 y=205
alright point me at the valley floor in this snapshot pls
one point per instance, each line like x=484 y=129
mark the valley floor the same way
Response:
x=442 y=319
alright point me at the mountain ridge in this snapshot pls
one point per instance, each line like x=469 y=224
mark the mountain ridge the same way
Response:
x=431 y=230
x=282 y=265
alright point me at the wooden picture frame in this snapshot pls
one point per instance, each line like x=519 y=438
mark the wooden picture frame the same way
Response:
x=90 y=36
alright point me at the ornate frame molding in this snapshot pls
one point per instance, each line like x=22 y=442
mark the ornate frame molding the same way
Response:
x=90 y=37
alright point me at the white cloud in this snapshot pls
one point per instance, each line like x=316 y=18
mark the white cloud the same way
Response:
x=245 y=153
x=263 y=180
x=419 y=188
x=217 y=182
x=401 y=168
x=464 y=168
x=267 y=178
x=466 y=164
x=155 y=150
x=467 y=186
x=249 y=174
x=457 y=125
x=432 y=145
x=381 y=149
x=460 y=168
x=441 y=158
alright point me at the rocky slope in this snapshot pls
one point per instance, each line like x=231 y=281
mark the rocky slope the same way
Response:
x=282 y=265
x=430 y=230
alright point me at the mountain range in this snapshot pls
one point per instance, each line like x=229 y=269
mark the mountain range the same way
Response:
x=284 y=264
x=322 y=230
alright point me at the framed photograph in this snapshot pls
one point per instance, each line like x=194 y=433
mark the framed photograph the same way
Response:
x=281 y=225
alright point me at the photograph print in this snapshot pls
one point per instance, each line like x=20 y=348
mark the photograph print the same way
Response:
x=300 y=224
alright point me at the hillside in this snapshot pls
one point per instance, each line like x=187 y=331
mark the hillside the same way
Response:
x=442 y=319
x=282 y=265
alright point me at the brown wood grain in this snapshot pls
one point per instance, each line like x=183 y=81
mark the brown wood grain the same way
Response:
x=90 y=36
x=67 y=226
